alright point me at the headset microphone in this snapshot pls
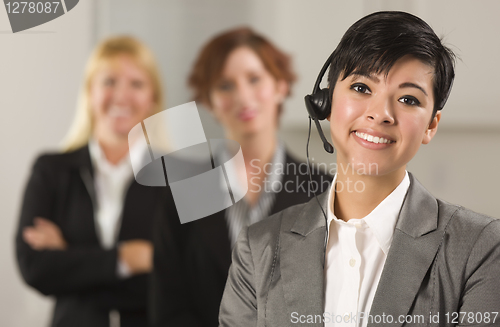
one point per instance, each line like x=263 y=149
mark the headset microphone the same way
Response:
x=318 y=105
x=309 y=105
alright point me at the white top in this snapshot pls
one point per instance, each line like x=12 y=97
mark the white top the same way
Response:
x=355 y=256
x=111 y=185
x=241 y=213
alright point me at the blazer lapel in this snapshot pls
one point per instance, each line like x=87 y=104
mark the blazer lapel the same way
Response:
x=302 y=258
x=83 y=164
x=414 y=246
x=81 y=161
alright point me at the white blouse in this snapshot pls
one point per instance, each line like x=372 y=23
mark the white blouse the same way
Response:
x=355 y=256
x=111 y=184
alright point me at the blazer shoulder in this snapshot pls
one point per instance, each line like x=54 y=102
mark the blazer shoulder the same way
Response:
x=468 y=219
x=471 y=245
x=57 y=160
x=467 y=229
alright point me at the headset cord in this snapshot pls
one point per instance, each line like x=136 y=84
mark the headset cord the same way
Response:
x=314 y=192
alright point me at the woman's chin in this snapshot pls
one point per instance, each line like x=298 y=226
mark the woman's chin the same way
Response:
x=256 y=127
x=119 y=132
x=250 y=132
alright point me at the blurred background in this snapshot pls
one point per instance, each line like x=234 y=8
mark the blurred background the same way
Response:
x=41 y=70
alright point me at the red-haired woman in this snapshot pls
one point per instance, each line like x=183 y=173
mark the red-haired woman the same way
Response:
x=243 y=79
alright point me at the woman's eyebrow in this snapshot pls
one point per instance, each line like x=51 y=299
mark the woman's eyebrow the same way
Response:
x=413 y=85
x=357 y=75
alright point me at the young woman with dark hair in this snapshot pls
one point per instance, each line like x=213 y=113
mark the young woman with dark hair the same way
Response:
x=394 y=254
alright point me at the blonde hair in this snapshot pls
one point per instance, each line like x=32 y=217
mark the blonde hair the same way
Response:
x=82 y=126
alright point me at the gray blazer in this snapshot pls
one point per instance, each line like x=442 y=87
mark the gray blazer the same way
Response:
x=444 y=259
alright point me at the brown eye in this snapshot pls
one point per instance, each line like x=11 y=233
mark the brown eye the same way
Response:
x=137 y=84
x=110 y=81
x=409 y=100
x=225 y=86
x=254 y=79
x=361 y=88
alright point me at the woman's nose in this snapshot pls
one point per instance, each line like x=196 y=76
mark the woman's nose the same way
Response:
x=243 y=94
x=120 y=93
x=381 y=112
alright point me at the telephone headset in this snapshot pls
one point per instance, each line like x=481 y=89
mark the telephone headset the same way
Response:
x=319 y=107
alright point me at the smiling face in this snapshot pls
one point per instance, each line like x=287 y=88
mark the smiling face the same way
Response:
x=246 y=98
x=381 y=120
x=121 y=95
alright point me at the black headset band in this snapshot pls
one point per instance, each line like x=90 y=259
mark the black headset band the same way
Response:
x=322 y=73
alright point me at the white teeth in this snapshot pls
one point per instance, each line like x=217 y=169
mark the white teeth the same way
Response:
x=373 y=139
x=118 y=112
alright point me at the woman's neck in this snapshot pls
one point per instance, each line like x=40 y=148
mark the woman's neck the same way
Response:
x=258 y=150
x=357 y=195
x=114 y=148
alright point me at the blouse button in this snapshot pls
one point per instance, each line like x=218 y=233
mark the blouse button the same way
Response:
x=352 y=262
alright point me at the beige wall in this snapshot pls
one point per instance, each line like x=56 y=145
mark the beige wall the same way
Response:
x=40 y=73
x=41 y=69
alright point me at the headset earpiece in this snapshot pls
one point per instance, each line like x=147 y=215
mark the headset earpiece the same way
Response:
x=319 y=106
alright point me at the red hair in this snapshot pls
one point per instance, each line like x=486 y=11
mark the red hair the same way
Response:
x=210 y=62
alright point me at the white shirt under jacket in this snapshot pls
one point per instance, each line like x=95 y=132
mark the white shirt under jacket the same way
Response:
x=355 y=256
x=111 y=183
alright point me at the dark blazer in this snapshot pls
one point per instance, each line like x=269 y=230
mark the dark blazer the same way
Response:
x=84 y=278
x=191 y=296
x=443 y=260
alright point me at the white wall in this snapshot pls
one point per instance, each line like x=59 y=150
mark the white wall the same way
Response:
x=40 y=73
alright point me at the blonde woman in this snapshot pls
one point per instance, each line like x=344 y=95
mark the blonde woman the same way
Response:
x=85 y=227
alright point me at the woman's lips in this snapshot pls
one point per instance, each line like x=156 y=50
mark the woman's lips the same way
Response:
x=372 y=140
x=119 y=113
x=246 y=115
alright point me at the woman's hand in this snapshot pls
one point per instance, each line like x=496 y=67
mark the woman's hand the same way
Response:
x=137 y=255
x=44 y=235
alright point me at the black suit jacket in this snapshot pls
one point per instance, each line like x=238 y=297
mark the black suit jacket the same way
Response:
x=188 y=284
x=84 y=278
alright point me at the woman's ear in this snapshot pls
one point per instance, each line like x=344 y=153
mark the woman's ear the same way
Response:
x=331 y=104
x=432 y=128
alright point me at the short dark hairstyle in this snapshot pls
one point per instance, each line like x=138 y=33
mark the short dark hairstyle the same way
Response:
x=375 y=42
